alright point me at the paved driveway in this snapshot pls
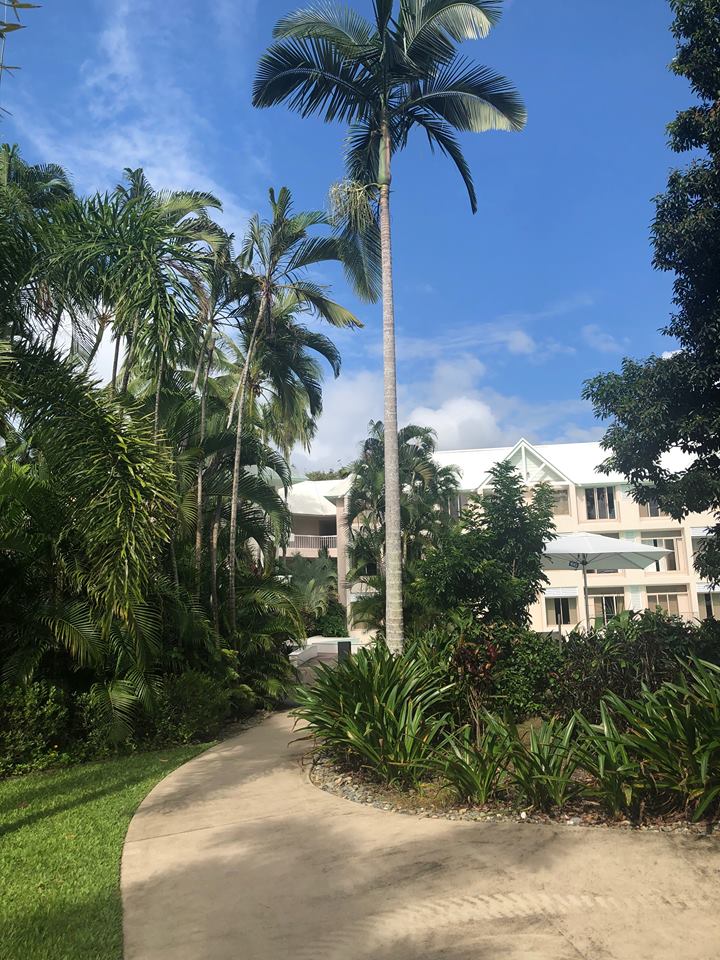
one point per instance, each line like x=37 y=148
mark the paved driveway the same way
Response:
x=236 y=856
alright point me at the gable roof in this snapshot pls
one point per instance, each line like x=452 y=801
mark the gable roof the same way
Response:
x=577 y=462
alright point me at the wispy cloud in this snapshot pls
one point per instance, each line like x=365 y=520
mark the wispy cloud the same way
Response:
x=514 y=332
x=601 y=340
x=130 y=108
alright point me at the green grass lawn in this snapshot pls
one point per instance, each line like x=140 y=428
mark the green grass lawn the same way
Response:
x=61 y=836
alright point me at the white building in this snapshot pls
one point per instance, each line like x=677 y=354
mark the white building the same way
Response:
x=595 y=502
x=586 y=500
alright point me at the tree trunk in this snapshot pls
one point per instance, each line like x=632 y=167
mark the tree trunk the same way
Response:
x=132 y=336
x=116 y=360
x=158 y=391
x=214 y=537
x=56 y=328
x=102 y=323
x=201 y=476
x=393 y=546
x=232 y=533
x=207 y=340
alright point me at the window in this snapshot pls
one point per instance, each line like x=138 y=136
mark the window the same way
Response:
x=652 y=509
x=561 y=506
x=605 y=606
x=668 y=601
x=600 y=503
x=709 y=606
x=561 y=611
x=671 y=560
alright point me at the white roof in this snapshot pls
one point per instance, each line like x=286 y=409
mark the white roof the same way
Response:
x=579 y=462
x=314 y=498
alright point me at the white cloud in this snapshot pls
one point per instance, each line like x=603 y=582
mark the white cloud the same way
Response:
x=349 y=403
x=456 y=376
x=460 y=422
x=599 y=339
x=452 y=401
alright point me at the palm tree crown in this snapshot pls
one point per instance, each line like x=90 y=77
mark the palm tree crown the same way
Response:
x=400 y=72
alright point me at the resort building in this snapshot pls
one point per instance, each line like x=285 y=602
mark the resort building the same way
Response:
x=594 y=502
x=585 y=500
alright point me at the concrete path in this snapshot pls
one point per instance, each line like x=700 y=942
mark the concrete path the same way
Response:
x=236 y=856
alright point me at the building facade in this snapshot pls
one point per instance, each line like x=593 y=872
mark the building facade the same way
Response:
x=585 y=500
x=591 y=501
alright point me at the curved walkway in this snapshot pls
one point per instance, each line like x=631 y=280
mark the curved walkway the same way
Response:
x=236 y=856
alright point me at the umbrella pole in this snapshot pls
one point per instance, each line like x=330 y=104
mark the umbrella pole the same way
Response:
x=585 y=594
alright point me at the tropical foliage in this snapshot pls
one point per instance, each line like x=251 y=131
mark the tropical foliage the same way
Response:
x=140 y=520
x=490 y=564
x=395 y=718
x=428 y=495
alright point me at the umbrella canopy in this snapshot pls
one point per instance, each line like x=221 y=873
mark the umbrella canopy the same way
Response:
x=575 y=551
x=571 y=551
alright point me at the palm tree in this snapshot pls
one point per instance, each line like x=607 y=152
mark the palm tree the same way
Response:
x=384 y=78
x=276 y=257
x=427 y=494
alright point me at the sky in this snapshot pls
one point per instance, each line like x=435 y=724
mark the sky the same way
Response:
x=500 y=316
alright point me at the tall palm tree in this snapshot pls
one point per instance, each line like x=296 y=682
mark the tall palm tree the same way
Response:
x=276 y=256
x=384 y=78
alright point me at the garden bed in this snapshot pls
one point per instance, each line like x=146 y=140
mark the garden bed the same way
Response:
x=434 y=801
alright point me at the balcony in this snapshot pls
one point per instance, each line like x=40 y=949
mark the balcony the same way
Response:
x=309 y=541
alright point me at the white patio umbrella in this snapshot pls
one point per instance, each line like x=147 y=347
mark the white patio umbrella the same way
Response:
x=575 y=551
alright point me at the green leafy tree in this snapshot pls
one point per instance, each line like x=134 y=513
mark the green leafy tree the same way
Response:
x=674 y=400
x=385 y=77
x=491 y=563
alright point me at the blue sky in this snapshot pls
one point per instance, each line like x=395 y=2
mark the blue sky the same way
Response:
x=502 y=315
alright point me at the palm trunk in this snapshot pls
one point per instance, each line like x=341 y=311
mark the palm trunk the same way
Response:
x=132 y=336
x=201 y=476
x=56 y=328
x=96 y=346
x=393 y=545
x=214 y=537
x=203 y=351
x=174 y=564
x=158 y=391
x=232 y=533
x=116 y=360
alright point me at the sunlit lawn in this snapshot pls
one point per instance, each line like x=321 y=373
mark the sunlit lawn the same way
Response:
x=61 y=836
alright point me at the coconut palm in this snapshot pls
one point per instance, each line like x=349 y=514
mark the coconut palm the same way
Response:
x=276 y=257
x=384 y=78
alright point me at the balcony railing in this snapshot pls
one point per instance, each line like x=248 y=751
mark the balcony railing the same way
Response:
x=308 y=541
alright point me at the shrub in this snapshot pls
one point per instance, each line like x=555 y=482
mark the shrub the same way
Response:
x=382 y=711
x=615 y=770
x=243 y=701
x=475 y=767
x=34 y=727
x=524 y=678
x=632 y=651
x=542 y=767
x=673 y=735
x=193 y=707
x=331 y=623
